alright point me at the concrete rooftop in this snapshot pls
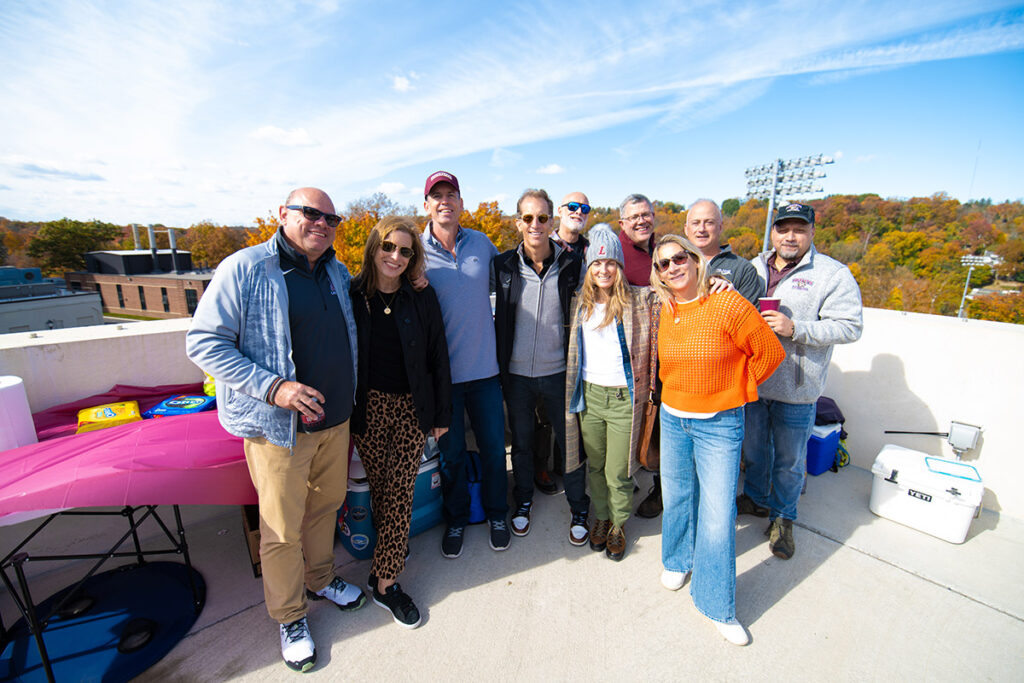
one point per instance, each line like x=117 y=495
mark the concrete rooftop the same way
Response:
x=863 y=599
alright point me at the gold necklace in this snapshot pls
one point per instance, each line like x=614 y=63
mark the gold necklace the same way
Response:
x=387 y=304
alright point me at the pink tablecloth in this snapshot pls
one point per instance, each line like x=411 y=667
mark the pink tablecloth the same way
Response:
x=186 y=459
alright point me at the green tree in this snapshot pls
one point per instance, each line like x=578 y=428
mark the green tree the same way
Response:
x=61 y=245
x=730 y=206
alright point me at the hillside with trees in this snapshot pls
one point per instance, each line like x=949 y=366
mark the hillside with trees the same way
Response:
x=904 y=253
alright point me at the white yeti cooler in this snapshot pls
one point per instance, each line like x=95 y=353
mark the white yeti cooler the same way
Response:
x=935 y=495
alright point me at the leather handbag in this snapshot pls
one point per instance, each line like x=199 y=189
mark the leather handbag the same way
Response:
x=651 y=460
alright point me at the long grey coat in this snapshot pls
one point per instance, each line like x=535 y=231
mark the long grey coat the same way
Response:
x=637 y=331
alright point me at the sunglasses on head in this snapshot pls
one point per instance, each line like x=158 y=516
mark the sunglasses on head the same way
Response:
x=388 y=247
x=678 y=258
x=577 y=206
x=314 y=215
x=541 y=218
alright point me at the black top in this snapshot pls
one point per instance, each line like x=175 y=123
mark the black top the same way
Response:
x=417 y=316
x=320 y=348
x=387 y=362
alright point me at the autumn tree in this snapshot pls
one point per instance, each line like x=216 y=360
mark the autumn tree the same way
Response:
x=488 y=219
x=1004 y=308
x=264 y=230
x=210 y=244
x=61 y=245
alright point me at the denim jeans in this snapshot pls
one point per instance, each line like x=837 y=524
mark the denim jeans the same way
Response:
x=521 y=395
x=482 y=398
x=700 y=466
x=775 y=449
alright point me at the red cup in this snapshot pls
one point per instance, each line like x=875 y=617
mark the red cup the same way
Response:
x=767 y=303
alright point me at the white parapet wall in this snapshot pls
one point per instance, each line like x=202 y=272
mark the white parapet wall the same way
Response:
x=59 y=366
x=916 y=372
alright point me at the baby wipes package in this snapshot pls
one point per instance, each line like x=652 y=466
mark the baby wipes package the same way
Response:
x=107 y=415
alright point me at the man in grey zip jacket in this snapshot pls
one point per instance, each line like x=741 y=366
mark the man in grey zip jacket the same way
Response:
x=275 y=329
x=819 y=306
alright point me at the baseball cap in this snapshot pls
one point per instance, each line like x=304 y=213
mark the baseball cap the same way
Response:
x=440 y=177
x=801 y=212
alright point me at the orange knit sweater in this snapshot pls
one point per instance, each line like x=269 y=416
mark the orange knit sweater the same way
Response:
x=713 y=353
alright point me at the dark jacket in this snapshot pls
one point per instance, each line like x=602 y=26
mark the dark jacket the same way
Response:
x=508 y=286
x=424 y=349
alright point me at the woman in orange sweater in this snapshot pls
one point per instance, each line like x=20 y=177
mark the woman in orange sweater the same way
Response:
x=713 y=349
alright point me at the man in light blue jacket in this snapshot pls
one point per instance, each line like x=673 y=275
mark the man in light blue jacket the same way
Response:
x=818 y=306
x=275 y=329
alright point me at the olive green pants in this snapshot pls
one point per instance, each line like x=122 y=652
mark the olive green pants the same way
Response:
x=605 y=426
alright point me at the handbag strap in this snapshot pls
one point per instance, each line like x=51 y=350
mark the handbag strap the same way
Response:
x=653 y=357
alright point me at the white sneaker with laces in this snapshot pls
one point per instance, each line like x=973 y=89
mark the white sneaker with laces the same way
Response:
x=673 y=580
x=347 y=597
x=297 y=646
x=733 y=631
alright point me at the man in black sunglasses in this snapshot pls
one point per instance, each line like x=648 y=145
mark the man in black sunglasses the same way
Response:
x=534 y=284
x=573 y=214
x=276 y=330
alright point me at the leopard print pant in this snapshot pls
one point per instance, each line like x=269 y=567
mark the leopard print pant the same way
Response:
x=390 y=450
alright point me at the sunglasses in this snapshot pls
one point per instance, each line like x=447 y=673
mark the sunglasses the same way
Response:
x=577 y=206
x=678 y=258
x=314 y=215
x=542 y=218
x=388 y=247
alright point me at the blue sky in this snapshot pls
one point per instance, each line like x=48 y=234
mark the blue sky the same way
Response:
x=176 y=112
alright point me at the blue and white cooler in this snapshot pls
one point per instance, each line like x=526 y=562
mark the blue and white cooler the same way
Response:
x=355 y=519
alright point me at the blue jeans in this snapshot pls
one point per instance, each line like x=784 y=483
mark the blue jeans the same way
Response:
x=521 y=394
x=482 y=398
x=775 y=449
x=700 y=466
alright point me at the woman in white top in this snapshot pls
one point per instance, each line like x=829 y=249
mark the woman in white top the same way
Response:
x=607 y=385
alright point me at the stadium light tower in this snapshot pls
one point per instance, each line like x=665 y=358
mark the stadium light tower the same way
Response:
x=787 y=179
x=970 y=261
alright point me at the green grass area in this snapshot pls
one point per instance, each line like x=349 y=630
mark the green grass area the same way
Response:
x=125 y=316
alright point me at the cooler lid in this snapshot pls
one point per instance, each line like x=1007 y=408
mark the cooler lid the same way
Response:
x=821 y=431
x=920 y=470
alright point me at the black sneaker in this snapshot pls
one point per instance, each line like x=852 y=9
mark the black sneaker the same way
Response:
x=780 y=538
x=451 y=544
x=579 y=532
x=651 y=506
x=402 y=608
x=521 y=519
x=500 y=537
x=745 y=505
x=371 y=581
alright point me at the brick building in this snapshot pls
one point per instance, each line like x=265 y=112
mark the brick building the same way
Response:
x=130 y=283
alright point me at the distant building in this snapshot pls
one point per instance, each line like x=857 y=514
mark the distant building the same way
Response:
x=154 y=284
x=29 y=303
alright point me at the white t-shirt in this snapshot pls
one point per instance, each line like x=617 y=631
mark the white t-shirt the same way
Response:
x=602 y=352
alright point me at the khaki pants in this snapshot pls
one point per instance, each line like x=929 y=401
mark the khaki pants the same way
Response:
x=605 y=427
x=300 y=493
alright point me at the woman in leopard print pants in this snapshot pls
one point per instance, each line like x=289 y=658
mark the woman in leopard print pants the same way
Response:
x=403 y=393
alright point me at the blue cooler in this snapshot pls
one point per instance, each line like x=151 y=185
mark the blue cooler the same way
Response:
x=355 y=519
x=822 y=447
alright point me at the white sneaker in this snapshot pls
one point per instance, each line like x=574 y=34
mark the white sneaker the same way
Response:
x=297 y=646
x=347 y=597
x=673 y=580
x=733 y=631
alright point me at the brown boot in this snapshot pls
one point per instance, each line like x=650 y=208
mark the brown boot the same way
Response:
x=599 y=534
x=616 y=542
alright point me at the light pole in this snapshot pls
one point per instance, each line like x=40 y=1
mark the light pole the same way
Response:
x=970 y=262
x=786 y=178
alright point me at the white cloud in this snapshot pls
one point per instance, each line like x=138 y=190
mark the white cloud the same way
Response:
x=864 y=158
x=295 y=137
x=392 y=188
x=500 y=158
x=550 y=169
x=838 y=155
x=174 y=97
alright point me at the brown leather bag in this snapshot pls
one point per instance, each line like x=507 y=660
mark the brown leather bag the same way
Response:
x=651 y=460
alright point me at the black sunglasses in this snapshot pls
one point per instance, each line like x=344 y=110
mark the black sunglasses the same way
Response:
x=678 y=258
x=577 y=206
x=388 y=247
x=541 y=218
x=314 y=215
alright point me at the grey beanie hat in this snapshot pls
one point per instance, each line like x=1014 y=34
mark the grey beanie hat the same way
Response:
x=604 y=244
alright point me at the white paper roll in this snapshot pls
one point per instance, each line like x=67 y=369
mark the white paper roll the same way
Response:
x=16 y=427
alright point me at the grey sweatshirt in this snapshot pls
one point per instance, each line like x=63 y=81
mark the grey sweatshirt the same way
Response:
x=538 y=349
x=823 y=300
